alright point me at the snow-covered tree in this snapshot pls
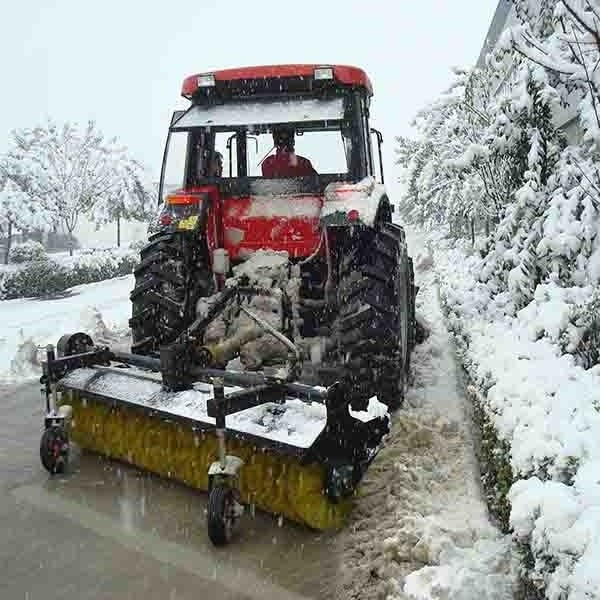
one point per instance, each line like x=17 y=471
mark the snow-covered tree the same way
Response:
x=563 y=36
x=525 y=134
x=453 y=170
x=132 y=199
x=68 y=169
x=489 y=148
x=18 y=213
x=552 y=230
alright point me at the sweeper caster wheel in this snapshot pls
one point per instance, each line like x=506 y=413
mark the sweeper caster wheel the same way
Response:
x=54 y=449
x=221 y=514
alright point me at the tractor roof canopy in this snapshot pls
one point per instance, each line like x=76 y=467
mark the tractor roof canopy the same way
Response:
x=273 y=80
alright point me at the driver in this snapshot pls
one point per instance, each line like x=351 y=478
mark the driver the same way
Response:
x=215 y=166
x=285 y=162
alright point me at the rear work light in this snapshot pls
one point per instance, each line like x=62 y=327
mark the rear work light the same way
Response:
x=323 y=73
x=206 y=80
x=185 y=199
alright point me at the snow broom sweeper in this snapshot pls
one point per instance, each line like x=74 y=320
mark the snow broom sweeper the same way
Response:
x=273 y=311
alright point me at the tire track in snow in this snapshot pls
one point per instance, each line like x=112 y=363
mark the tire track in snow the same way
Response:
x=421 y=527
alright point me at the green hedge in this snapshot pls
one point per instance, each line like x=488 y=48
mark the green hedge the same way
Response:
x=47 y=277
x=26 y=252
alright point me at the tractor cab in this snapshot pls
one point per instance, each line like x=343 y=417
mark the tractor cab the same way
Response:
x=234 y=112
x=216 y=149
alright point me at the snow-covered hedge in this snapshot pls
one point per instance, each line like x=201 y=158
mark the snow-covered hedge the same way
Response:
x=45 y=278
x=540 y=419
x=28 y=251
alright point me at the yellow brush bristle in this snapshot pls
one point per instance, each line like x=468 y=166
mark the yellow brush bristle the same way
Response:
x=276 y=483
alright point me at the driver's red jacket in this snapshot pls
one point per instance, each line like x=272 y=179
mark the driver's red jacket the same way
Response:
x=286 y=164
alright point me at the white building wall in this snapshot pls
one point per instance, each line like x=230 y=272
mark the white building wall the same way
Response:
x=565 y=118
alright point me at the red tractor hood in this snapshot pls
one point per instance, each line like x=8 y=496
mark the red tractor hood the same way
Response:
x=289 y=223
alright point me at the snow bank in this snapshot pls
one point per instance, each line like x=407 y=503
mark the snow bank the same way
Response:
x=26 y=326
x=545 y=407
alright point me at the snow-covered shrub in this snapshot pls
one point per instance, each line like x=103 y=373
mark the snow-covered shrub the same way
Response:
x=49 y=277
x=28 y=251
x=582 y=337
x=538 y=418
x=41 y=278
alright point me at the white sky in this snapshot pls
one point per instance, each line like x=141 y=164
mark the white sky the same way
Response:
x=121 y=62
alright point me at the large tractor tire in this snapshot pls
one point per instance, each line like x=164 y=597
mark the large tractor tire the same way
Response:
x=412 y=317
x=375 y=320
x=172 y=275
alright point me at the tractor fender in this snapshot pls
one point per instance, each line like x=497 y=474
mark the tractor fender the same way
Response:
x=365 y=202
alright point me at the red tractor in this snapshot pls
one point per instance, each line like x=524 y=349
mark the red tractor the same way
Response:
x=275 y=292
x=334 y=224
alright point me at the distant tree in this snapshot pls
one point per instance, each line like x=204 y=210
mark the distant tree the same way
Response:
x=69 y=170
x=18 y=213
x=132 y=199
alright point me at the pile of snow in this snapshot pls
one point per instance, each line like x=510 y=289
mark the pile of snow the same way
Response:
x=363 y=197
x=546 y=407
x=100 y=309
x=264 y=268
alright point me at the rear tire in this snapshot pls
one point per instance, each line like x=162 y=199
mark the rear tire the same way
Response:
x=392 y=387
x=373 y=323
x=220 y=514
x=172 y=275
x=412 y=319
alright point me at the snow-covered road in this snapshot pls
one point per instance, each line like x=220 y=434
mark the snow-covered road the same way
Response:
x=26 y=323
x=421 y=528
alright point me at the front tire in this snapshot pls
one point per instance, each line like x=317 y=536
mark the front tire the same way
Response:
x=220 y=516
x=54 y=449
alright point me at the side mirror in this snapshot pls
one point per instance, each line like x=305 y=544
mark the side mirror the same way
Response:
x=379 y=136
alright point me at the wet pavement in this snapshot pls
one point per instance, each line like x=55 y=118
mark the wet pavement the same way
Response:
x=108 y=531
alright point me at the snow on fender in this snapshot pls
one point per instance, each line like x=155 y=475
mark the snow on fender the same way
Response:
x=348 y=203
